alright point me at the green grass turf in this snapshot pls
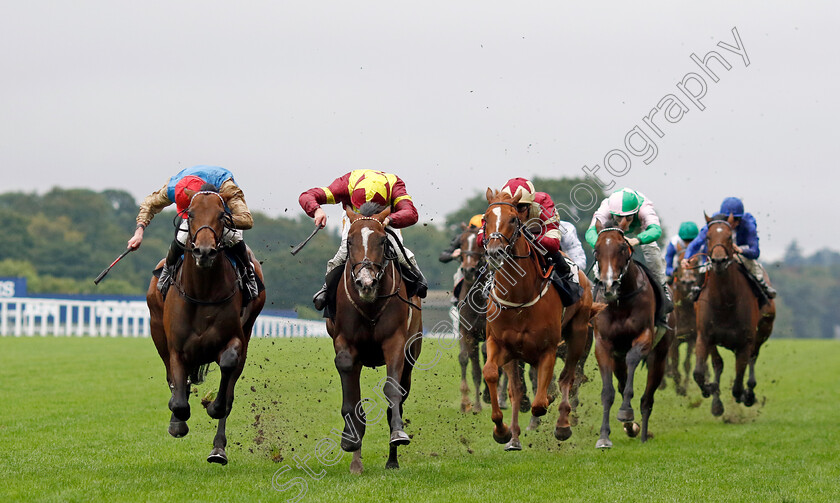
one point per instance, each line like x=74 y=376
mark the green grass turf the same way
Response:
x=84 y=419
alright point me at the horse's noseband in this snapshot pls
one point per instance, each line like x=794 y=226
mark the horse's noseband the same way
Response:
x=598 y=283
x=729 y=255
x=366 y=263
x=511 y=241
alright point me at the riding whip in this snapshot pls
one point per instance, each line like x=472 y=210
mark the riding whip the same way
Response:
x=300 y=246
x=103 y=273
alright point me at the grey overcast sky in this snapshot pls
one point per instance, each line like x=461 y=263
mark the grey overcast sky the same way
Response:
x=453 y=96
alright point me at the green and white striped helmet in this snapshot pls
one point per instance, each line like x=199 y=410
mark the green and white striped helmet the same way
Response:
x=625 y=202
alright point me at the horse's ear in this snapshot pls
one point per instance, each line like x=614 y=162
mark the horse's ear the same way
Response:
x=516 y=199
x=731 y=219
x=189 y=193
x=489 y=194
x=598 y=225
x=463 y=226
x=351 y=215
x=706 y=217
x=382 y=215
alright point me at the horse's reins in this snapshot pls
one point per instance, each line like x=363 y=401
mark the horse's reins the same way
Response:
x=729 y=258
x=504 y=304
x=217 y=237
x=369 y=263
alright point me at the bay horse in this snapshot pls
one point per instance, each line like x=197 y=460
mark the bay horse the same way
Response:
x=685 y=325
x=728 y=315
x=376 y=323
x=471 y=315
x=526 y=320
x=203 y=320
x=625 y=332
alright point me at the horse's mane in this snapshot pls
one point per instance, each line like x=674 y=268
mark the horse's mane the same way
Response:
x=371 y=208
x=209 y=187
x=719 y=216
x=610 y=223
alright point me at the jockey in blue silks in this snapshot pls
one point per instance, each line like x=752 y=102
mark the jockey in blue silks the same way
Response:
x=688 y=231
x=746 y=244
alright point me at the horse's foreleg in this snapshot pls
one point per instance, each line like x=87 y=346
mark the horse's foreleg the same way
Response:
x=501 y=432
x=656 y=374
x=516 y=390
x=349 y=370
x=394 y=351
x=640 y=349
x=741 y=357
x=717 y=365
x=701 y=350
x=749 y=393
x=603 y=353
x=476 y=372
x=463 y=360
x=179 y=402
x=689 y=350
x=230 y=363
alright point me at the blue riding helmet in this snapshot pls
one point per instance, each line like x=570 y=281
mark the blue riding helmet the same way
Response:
x=732 y=206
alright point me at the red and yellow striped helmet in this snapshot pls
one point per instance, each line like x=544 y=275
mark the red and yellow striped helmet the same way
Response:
x=520 y=186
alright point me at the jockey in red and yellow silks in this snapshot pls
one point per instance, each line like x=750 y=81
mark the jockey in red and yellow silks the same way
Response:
x=352 y=191
x=173 y=191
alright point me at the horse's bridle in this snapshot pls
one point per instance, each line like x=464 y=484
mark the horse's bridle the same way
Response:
x=624 y=270
x=227 y=221
x=366 y=263
x=729 y=255
x=511 y=241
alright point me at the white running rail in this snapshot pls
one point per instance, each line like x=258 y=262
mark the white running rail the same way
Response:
x=23 y=316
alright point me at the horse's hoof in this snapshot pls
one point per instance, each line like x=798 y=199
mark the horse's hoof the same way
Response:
x=513 y=445
x=562 y=433
x=356 y=467
x=476 y=408
x=503 y=404
x=749 y=398
x=603 y=443
x=573 y=420
x=524 y=404
x=485 y=396
x=717 y=407
x=178 y=429
x=217 y=455
x=632 y=429
x=392 y=465
x=681 y=390
x=399 y=437
x=502 y=439
x=182 y=412
x=625 y=415
x=533 y=424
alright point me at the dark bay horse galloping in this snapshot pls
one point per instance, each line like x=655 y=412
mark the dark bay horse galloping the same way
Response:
x=624 y=332
x=728 y=315
x=526 y=321
x=685 y=326
x=376 y=323
x=471 y=316
x=202 y=319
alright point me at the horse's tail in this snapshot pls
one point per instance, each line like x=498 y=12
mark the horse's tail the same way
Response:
x=200 y=373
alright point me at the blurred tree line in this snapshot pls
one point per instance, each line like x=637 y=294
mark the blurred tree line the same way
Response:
x=62 y=239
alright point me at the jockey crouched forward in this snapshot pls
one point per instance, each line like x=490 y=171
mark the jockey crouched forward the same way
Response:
x=194 y=179
x=453 y=252
x=642 y=232
x=745 y=232
x=352 y=191
x=542 y=228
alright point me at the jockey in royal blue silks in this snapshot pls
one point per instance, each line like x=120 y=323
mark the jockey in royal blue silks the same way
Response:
x=746 y=241
x=173 y=191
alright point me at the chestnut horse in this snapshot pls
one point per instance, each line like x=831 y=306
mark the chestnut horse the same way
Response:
x=685 y=325
x=728 y=315
x=471 y=315
x=376 y=323
x=203 y=320
x=526 y=321
x=624 y=332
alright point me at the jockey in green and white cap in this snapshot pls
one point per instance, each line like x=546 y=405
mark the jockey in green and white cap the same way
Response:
x=642 y=233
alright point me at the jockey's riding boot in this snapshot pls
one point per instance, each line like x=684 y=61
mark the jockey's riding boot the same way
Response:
x=667 y=306
x=320 y=298
x=167 y=274
x=769 y=291
x=249 y=279
x=422 y=284
x=560 y=265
